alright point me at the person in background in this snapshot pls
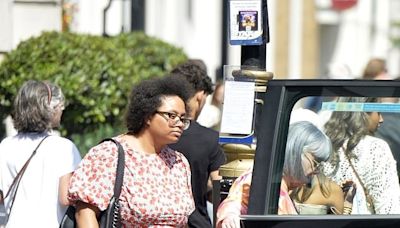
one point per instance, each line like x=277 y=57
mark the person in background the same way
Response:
x=41 y=198
x=306 y=147
x=156 y=189
x=376 y=69
x=199 y=144
x=210 y=116
x=389 y=131
x=363 y=158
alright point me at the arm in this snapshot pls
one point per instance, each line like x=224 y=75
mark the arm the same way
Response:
x=86 y=215
x=63 y=189
x=217 y=159
x=236 y=202
x=214 y=175
x=336 y=197
x=1 y=197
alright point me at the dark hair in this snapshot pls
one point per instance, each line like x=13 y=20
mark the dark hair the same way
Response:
x=146 y=97
x=198 y=62
x=374 y=67
x=195 y=75
x=348 y=126
x=34 y=106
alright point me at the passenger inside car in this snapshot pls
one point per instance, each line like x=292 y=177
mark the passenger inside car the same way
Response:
x=361 y=157
x=306 y=145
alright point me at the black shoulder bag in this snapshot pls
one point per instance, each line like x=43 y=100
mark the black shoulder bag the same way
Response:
x=15 y=184
x=110 y=218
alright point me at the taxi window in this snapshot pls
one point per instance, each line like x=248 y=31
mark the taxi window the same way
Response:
x=283 y=97
x=364 y=161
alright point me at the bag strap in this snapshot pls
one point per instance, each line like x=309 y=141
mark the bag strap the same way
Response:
x=120 y=167
x=367 y=196
x=17 y=179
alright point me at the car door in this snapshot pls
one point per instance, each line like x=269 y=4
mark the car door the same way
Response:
x=281 y=98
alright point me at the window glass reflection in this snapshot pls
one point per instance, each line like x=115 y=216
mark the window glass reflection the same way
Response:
x=361 y=174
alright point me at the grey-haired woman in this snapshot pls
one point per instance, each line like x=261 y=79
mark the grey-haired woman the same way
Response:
x=41 y=198
x=306 y=145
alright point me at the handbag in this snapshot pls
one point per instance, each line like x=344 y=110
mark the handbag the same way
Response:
x=12 y=191
x=109 y=218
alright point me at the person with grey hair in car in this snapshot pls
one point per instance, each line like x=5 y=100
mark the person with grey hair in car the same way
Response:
x=306 y=148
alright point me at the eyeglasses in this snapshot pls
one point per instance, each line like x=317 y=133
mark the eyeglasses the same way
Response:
x=173 y=119
x=315 y=164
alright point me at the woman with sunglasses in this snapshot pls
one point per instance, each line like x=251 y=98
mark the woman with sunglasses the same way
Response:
x=156 y=189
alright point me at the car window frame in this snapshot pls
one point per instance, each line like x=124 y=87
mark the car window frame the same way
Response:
x=280 y=98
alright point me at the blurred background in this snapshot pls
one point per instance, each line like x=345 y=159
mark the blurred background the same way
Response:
x=306 y=36
x=308 y=39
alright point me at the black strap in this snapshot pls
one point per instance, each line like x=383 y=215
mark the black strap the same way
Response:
x=17 y=179
x=120 y=167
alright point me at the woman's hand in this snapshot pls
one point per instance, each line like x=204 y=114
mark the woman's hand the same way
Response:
x=231 y=221
x=349 y=191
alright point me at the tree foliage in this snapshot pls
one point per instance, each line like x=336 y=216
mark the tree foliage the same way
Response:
x=95 y=73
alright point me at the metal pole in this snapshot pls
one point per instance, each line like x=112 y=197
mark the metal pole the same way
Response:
x=256 y=55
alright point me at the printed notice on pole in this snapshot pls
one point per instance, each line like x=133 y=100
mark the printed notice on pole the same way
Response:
x=245 y=22
x=237 y=113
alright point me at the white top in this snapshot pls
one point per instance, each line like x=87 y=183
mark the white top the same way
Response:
x=210 y=116
x=36 y=204
x=377 y=169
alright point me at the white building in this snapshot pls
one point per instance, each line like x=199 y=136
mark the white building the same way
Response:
x=306 y=35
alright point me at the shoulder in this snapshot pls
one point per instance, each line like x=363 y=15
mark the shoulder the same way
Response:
x=201 y=129
x=373 y=141
x=61 y=141
x=178 y=156
x=62 y=144
x=6 y=141
x=375 y=146
x=103 y=151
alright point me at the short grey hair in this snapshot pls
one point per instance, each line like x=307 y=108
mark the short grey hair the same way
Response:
x=304 y=137
x=34 y=106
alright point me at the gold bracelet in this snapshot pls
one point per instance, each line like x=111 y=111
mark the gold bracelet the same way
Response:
x=347 y=210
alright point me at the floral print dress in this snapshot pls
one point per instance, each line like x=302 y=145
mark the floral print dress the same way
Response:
x=156 y=190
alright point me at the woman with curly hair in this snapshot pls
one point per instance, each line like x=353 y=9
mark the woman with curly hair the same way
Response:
x=156 y=189
x=363 y=158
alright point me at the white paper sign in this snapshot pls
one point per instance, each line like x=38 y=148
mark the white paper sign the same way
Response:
x=237 y=113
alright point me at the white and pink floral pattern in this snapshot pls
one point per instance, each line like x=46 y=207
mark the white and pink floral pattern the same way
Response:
x=156 y=191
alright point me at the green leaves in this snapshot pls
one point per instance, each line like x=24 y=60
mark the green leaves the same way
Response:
x=95 y=73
